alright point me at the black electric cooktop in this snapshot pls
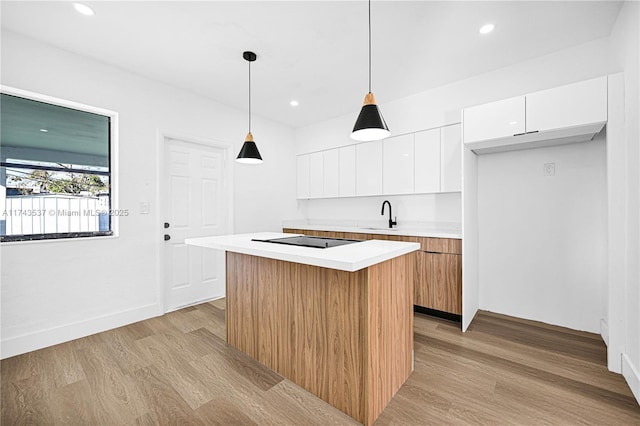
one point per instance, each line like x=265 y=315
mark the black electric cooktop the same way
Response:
x=304 y=241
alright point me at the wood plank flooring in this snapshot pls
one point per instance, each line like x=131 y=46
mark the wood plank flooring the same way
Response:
x=178 y=370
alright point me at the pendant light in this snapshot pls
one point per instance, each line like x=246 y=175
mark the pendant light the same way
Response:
x=249 y=153
x=370 y=125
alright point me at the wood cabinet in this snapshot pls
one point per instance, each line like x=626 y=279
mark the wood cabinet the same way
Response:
x=437 y=267
x=440 y=282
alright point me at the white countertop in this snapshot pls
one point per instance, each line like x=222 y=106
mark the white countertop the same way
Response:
x=351 y=257
x=411 y=230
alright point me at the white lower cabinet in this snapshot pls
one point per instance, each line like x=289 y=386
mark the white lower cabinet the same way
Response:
x=398 y=165
x=369 y=168
x=347 y=171
x=427 y=161
x=451 y=159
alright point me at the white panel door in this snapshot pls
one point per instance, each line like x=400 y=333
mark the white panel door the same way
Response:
x=331 y=173
x=347 y=171
x=494 y=120
x=316 y=175
x=303 y=176
x=369 y=168
x=195 y=203
x=397 y=165
x=427 y=161
x=451 y=155
x=566 y=106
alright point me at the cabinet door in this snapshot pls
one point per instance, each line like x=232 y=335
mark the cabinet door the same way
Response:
x=566 y=106
x=303 y=176
x=331 y=173
x=447 y=282
x=427 y=161
x=397 y=165
x=451 y=157
x=494 y=120
x=423 y=282
x=347 y=171
x=316 y=175
x=369 y=168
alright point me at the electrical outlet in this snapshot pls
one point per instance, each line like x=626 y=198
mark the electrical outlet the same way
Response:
x=549 y=169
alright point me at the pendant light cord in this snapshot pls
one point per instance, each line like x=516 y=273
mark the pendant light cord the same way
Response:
x=369 y=46
x=249 y=96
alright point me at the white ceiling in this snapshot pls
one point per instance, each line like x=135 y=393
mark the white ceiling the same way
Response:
x=312 y=51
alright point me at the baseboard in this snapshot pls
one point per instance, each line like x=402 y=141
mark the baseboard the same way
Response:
x=632 y=376
x=604 y=331
x=64 y=333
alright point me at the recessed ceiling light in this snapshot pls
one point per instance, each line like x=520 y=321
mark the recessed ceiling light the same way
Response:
x=84 y=9
x=294 y=103
x=486 y=29
x=44 y=130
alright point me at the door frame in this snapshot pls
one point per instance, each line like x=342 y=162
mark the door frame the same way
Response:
x=161 y=137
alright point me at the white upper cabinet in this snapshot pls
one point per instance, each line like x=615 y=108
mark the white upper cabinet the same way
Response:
x=427 y=161
x=566 y=114
x=451 y=170
x=331 y=173
x=303 y=176
x=567 y=106
x=316 y=175
x=495 y=120
x=369 y=168
x=347 y=171
x=397 y=165
x=416 y=163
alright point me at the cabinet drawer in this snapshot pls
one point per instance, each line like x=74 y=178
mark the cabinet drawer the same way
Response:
x=441 y=245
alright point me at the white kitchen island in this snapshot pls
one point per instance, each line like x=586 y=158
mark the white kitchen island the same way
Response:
x=337 y=321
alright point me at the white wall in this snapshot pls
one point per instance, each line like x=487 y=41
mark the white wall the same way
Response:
x=625 y=42
x=542 y=239
x=59 y=290
x=442 y=106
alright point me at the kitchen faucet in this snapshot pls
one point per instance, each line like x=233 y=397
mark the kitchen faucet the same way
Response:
x=391 y=222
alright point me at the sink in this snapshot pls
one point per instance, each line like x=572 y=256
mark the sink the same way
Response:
x=382 y=229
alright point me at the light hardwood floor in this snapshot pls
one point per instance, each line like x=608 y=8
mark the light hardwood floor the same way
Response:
x=178 y=370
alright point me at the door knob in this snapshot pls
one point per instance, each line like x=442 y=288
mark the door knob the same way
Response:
x=166 y=225
x=167 y=237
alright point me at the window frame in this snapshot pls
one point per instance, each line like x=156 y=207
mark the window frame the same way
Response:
x=113 y=171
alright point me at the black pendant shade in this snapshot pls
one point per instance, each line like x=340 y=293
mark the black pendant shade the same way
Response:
x=249 y=153
x=370 y=125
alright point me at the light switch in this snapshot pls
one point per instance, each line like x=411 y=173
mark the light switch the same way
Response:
x=144 y=207
x=549 y=169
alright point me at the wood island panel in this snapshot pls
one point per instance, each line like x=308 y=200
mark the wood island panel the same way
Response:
x=437 y=272
x=346 y=337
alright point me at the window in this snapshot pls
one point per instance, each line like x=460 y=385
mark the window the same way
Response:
x=55 y=169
